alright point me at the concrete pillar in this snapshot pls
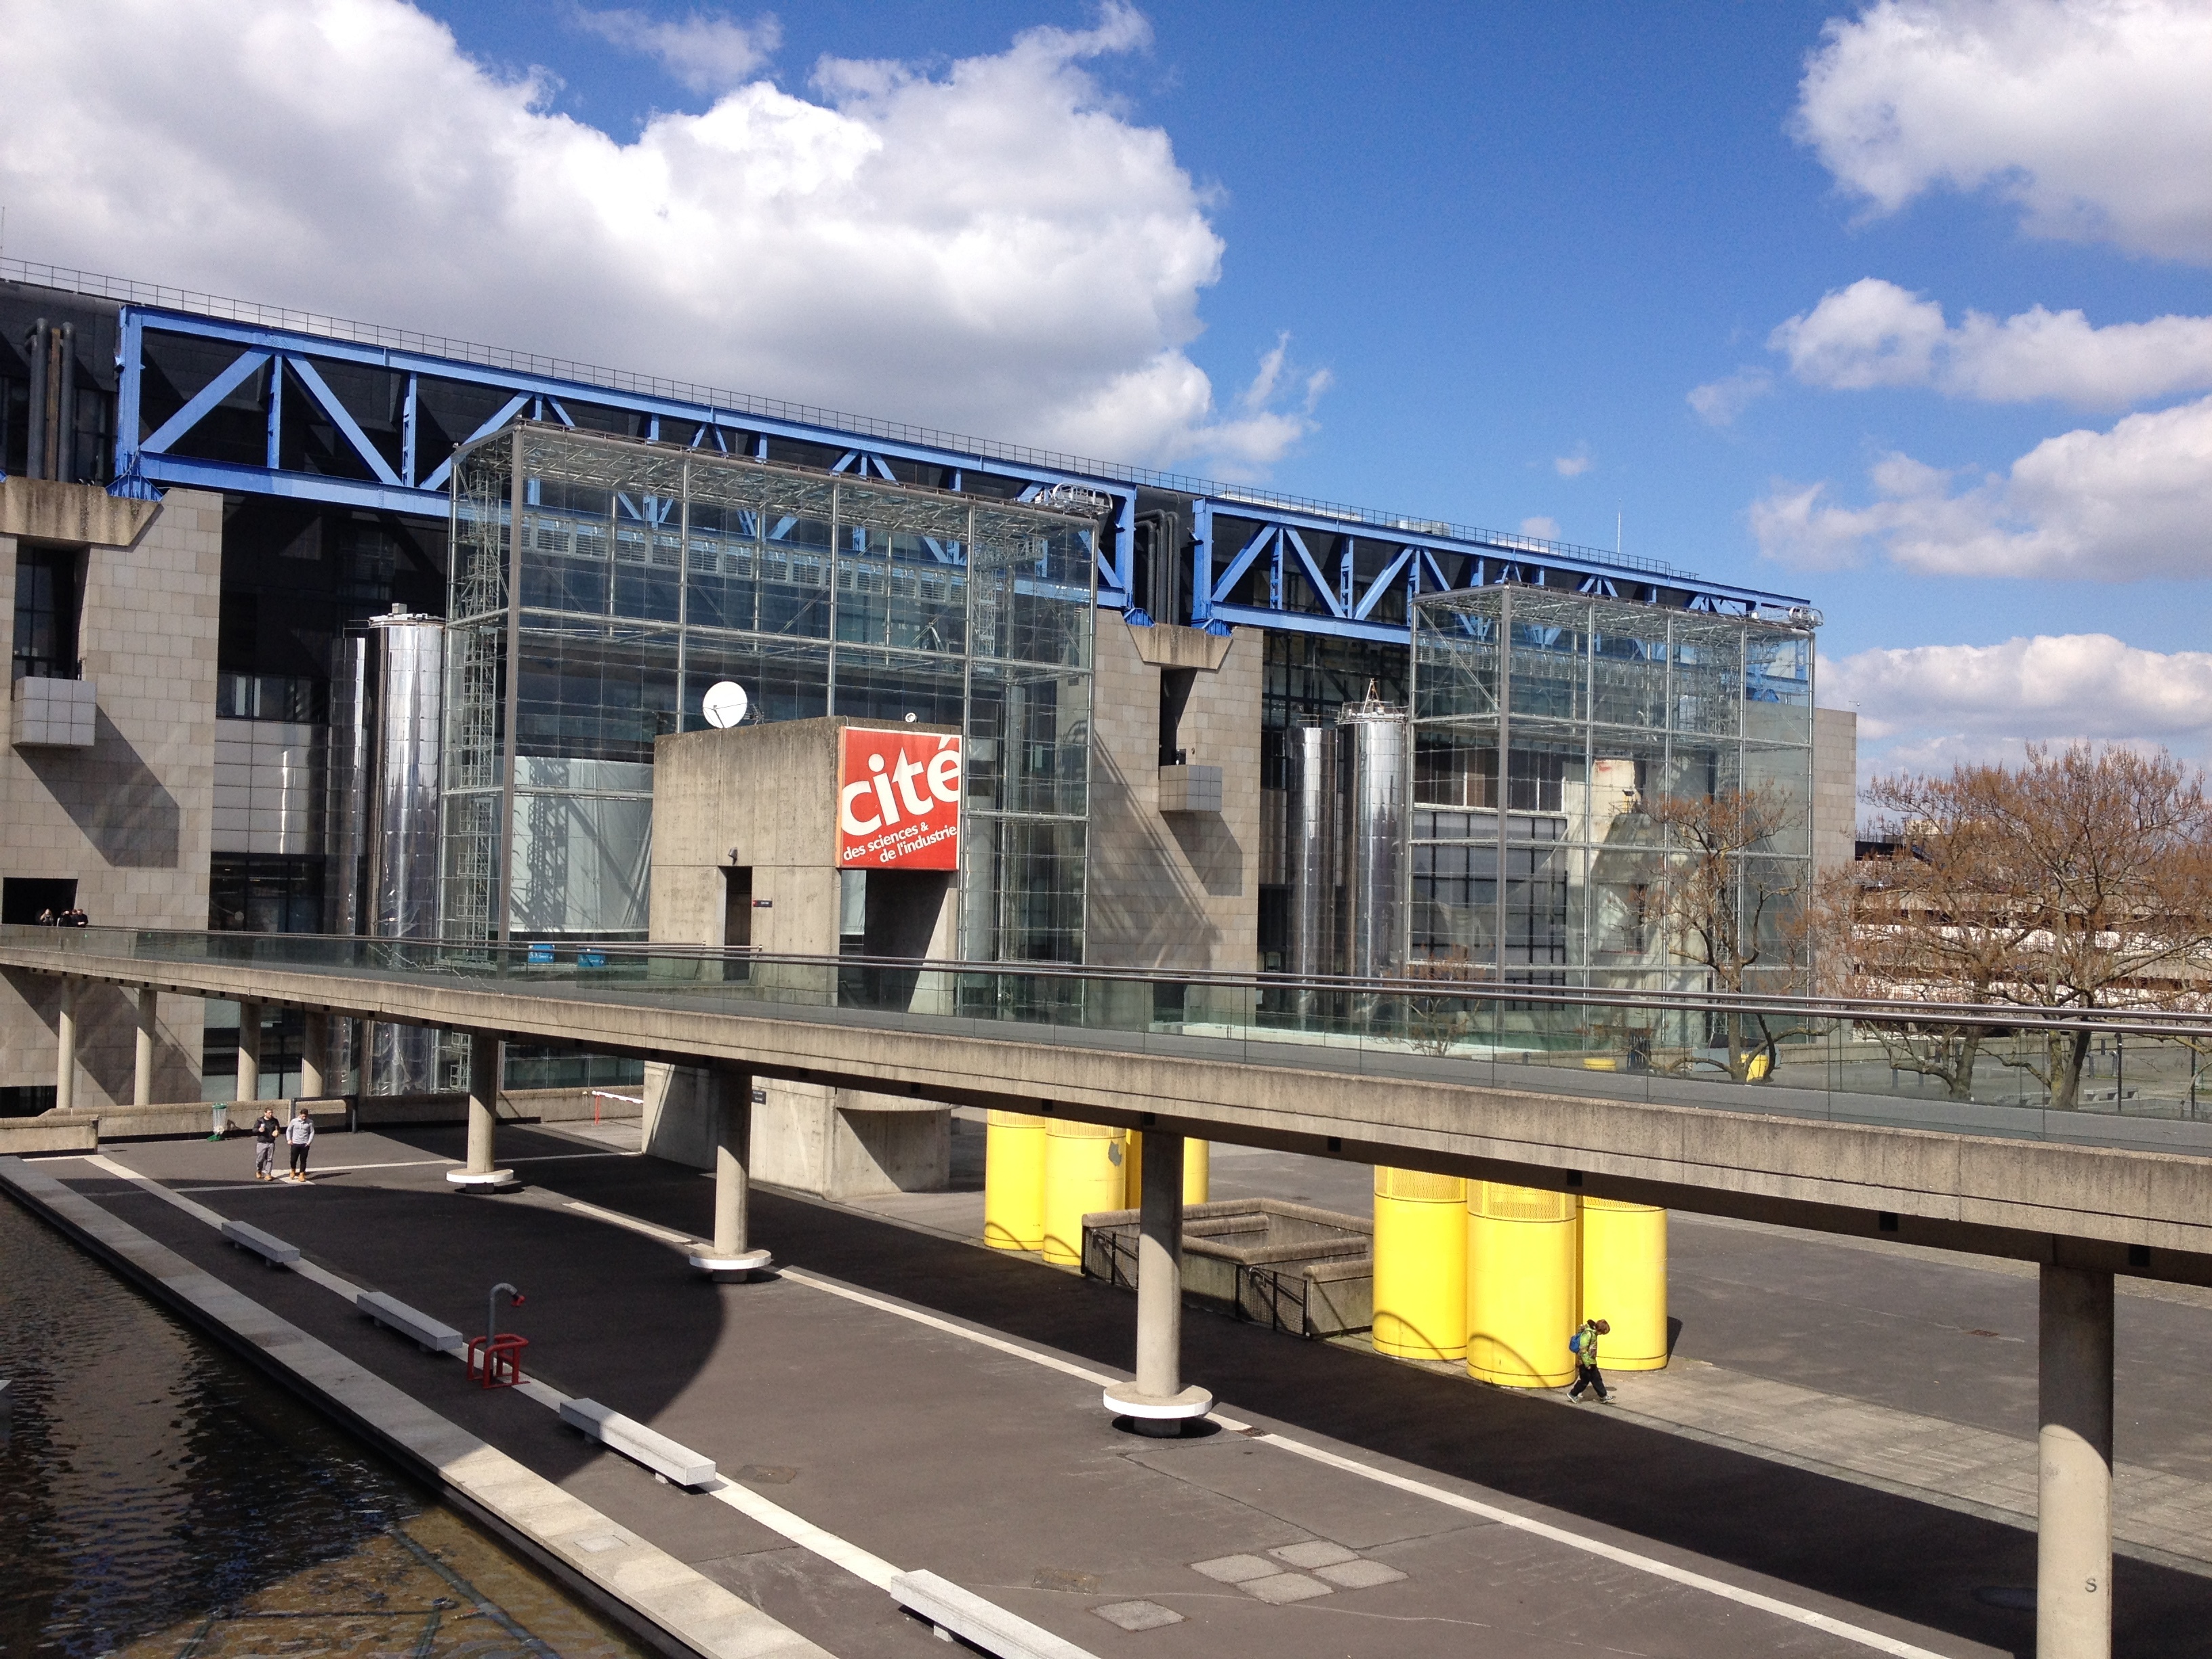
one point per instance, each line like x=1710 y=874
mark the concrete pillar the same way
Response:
x=729 y=1101
x=249 y=1053
x=141 y=1073
x=65 y=1049
x=315 y=1056
x=734 y=1128
x=2074 y=1446
x=483 y=1101
x=1158 y=1403
x=479 y=1173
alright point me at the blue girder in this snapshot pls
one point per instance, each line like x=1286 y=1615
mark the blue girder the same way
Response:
x=1288 y=540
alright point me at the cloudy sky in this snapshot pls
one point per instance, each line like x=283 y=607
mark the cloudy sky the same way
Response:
x=1905 y=307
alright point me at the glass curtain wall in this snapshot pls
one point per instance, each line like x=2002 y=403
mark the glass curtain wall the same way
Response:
x=647 y=573
x=1608 y=793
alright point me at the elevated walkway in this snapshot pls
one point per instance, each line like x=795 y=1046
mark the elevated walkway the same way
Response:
x=1601 y=1094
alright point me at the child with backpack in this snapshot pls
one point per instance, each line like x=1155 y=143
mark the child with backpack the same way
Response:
x=1583 y=1346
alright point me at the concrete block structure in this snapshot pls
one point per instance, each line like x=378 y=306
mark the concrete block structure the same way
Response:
x=1175 y=868
x=118 y=826
x=745 y=857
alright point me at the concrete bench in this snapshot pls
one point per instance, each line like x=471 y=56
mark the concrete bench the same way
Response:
x=657 y=1452
x=417 y=1328
x=271 y=1249
x=979 y=1623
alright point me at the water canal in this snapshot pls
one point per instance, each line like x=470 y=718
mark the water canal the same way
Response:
x=161 y=1499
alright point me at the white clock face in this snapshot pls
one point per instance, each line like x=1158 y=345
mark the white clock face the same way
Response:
x=724 y=704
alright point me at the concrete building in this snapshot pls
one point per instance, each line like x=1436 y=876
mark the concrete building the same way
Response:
x=330 y=690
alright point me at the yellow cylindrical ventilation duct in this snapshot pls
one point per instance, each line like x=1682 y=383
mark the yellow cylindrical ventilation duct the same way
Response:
x=1522 y=1285
x=1082 y=1173
x=1013 y=1181
x=1420 y=1264
x=1625 y=1281
x=1197 y=1170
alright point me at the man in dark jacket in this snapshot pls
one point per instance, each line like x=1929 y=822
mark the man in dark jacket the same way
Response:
x=267 y=1129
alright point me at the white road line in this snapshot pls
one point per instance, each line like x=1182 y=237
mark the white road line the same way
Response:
x=197 y=1211
x=617 y=1218
x=1667 y=1569
x=308 y=1270
x=803 y=1533
x=1819 y=1621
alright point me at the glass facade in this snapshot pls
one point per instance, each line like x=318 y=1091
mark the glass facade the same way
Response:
x=646 y=573
x=1607 y=793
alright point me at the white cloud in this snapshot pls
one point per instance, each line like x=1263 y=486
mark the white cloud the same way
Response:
x=2091 y=114
x=1719 y=402
x=990 y=246
x=2116 y=506
x=706 y=54
x=1875 y=333
x=1542 y=527
x=1574 y=465
x=2070 y=685
x=1872 y=333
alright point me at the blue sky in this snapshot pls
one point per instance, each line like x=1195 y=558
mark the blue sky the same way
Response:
x=1498 y=247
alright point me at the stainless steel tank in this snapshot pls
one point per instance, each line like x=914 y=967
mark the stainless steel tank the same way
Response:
x=349 y=780
x=1379 y=738
x=403 y=839
x=1313 y=854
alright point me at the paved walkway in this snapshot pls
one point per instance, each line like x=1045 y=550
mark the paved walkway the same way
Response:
x=934 y=1405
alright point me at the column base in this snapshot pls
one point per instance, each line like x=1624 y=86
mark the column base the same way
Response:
x=732 y=1268
x=1159 y=1414
x=488 y=1181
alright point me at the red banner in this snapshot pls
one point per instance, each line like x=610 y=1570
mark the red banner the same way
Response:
x=899 y=800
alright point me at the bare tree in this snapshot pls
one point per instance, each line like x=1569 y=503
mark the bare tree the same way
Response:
x=2080 y=879
x=1730 y=906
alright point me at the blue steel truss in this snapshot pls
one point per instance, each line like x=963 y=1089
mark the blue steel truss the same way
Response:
x=1315 y=545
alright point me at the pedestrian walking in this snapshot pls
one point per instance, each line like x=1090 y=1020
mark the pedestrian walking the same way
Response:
x=266 y=1129
x=300 y=1133
x=1583 y=1346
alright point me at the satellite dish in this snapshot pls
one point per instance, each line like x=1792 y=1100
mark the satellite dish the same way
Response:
x=725 y=703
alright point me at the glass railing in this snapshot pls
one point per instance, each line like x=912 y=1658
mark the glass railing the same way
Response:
x=2136 y=1077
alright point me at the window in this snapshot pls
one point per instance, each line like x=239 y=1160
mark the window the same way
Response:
x=265 y=893
x=47 y=594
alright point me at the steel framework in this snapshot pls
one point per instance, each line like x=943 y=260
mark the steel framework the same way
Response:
x=1305 y=547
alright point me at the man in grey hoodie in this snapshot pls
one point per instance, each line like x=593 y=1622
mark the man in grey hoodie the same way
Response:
x=300 y=1135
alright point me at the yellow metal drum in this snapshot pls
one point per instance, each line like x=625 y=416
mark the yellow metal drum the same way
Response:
x=1013 y=1181
x=1625 y=1281
x=1082 y=1174
x=1420 y=1264
x=1197 y=1170
x=1522 y=1285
